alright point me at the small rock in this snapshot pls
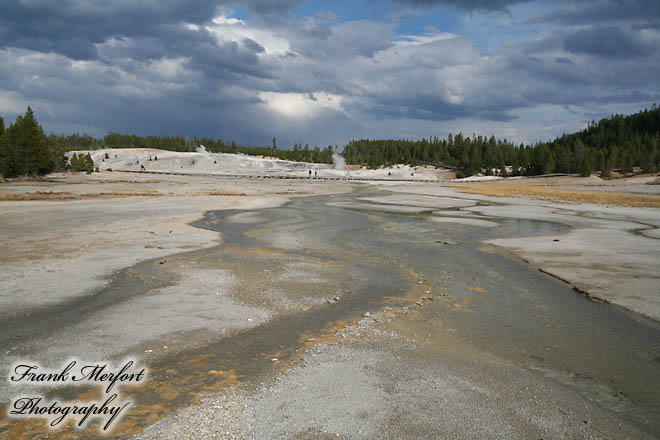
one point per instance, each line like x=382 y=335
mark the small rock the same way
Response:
x=366 y=315
x=274 y=360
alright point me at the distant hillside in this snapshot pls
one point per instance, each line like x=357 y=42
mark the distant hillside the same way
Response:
x=621 y=142
x=75 y=142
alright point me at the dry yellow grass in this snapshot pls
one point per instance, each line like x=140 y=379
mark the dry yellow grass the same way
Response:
x=55 y=195
x=224 y=193
x=560 y=195
x=38 y=195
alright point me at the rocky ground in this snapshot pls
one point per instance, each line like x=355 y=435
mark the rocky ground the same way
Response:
x=404 y=370
x=387 y=377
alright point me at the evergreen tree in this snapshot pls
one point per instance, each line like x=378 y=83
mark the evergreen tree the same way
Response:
x=88 y=163
x=82 y=163
x=606 y=171
x=75 y=163
x=6 y=153
x=585 y=168
x=27 y=139
x=543 y=161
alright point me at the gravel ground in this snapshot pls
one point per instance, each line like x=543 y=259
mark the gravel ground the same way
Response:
x=374 y=382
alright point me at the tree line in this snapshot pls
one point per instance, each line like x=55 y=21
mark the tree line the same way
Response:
x=619 y=142
x=187 y=144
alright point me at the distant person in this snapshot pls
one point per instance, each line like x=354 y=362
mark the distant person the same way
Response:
x=316 y=174
x=310 y=174
x=142 y=168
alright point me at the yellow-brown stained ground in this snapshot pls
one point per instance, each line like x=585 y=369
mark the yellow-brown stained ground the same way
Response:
x=65 y=195
x=552 y=194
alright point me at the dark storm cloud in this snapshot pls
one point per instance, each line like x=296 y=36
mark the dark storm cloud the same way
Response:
x=558 y=72
x=433 y=106
x=564 y=60
x=470 y=5
x=226 y=61
x=253 y=45
x=603 y=11
x=428 y=108
x=146 y=69
x=578 y=81
x=98 y=98
x=203 y=52
x=270 y=6
x=72 y=27
x=608 y=42
x=423 y=107
x=172 y=40
x=345 y=40
x=632 y=97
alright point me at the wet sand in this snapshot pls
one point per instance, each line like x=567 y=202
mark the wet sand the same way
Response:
x=259 y=332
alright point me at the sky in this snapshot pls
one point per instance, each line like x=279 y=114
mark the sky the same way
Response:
x=326 y=72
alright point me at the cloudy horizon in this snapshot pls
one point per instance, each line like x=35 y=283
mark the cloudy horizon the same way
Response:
x=327 y=72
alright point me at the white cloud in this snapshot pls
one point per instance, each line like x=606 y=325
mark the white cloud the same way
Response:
x=301 y=105
x=233 y=29
x=416 y=40
x=12 y=103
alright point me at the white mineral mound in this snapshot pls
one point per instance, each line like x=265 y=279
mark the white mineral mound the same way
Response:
x=203 y=162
